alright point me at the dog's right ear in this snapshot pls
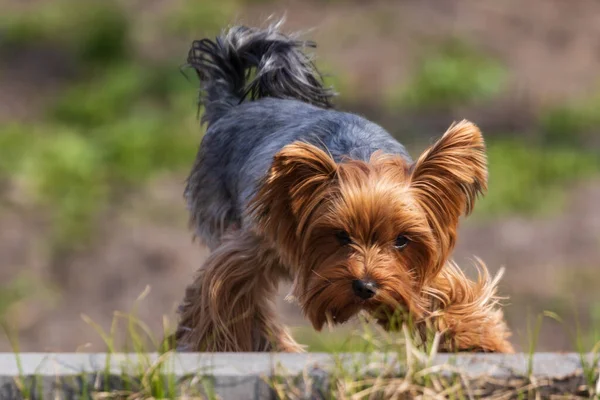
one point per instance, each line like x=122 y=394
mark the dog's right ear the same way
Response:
x=294 y=187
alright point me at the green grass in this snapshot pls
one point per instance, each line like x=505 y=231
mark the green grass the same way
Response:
x=532 y=180
x=103 y=98
x=406 y=370
x=119 y=123
x=107 y=133
x=573 y=124
x=390 y=366
x=96 y=31
x=13 y=292
x=451 y=74
x=22 y=288
x=192 y=19
x=77 y=171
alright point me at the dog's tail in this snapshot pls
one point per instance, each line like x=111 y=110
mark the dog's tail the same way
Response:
x=249 y=63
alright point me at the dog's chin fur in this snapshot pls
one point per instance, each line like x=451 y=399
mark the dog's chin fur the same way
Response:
x=329 y=297
x=307 y=200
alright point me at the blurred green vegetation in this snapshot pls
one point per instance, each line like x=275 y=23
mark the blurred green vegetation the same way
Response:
x=572 y=125
x=586 y=280
x=451 y=74
x=23 y=287
x=188 y=18
x=12 y=292
x=111 y=129
x=95 y=31
x=532 y=180
x=592 y=335
x=529 y=177
x=338 y=341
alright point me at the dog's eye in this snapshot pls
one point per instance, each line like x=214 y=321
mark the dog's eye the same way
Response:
x=343 y=237
x=401 y=242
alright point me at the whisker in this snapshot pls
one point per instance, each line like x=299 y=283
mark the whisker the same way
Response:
x=315 y=291
x=321 y=276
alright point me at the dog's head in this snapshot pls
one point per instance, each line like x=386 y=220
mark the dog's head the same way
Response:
x=369 y=235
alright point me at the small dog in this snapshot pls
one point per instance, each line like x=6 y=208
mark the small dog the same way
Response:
x=286 y=188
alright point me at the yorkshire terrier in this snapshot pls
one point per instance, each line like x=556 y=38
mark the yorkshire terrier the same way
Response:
x=284 y=187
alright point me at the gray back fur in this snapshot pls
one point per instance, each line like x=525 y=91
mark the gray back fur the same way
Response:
x=250 y=120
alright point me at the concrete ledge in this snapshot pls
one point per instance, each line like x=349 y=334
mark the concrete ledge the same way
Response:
x=247 y=375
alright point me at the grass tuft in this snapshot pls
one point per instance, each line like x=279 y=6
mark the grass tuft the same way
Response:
x=95 y=32
x=572 y=124
x=532 y=180
x=392 y=366
x=453 y=74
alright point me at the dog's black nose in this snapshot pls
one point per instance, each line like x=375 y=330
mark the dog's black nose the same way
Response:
x=364 y=289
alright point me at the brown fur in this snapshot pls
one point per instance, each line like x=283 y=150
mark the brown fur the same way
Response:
x=228 y=307
x=467 y=312
x=305 y=200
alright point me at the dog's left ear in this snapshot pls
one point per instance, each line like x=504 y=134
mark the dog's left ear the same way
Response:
x=295 y=185
x=448 y=177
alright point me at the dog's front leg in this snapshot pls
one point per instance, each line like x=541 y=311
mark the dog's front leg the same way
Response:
x=470 y=317
x=229 y=305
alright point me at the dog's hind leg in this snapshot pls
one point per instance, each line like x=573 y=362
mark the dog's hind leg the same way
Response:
x=229 y=305
x=210 y=203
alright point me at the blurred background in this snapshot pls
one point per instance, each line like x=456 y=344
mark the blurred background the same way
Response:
x=98 y=129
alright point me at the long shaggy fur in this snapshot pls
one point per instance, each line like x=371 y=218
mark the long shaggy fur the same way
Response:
x=467 y=312
x=281 y=70
x=228 y=308
x=286 y=188
x=243 y=64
